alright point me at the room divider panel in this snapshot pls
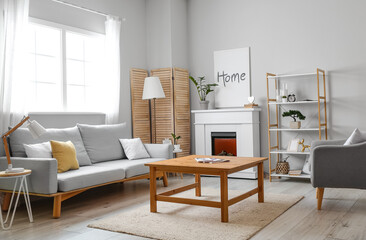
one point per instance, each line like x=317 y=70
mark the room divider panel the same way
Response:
x=172 y=112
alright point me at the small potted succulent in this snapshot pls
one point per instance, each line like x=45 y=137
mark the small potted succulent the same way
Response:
x=295 y=114
x=284 y=99
x=203 y=90
x=176 y=138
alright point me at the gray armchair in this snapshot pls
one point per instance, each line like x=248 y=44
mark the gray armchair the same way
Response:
x=336 y=166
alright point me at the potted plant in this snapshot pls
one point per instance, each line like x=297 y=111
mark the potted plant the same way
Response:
x=203 y=90
x=284 y=99
x=176 y=138
x=294 y=114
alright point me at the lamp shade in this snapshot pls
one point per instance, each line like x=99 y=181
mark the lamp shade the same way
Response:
x=152 y=88
x=36 y=129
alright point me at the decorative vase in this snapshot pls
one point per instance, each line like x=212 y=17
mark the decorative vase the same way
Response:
x=284 y=100
x=282 y=168
x=176 y=147
x=204 y=105
x=295 y=125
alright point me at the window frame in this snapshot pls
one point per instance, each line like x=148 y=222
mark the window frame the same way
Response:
x=63 y=66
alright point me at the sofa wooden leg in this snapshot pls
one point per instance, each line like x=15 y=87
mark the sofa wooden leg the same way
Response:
x=165 y=179
x=319 y=194
x=57 y=206
x=6 y=201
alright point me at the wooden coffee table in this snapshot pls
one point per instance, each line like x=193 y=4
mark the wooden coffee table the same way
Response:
x=188 y=164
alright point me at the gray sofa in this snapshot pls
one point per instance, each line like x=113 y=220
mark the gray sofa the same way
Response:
x=100 y=156
x=334 y=165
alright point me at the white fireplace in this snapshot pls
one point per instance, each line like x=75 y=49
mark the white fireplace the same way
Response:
x=243 y=123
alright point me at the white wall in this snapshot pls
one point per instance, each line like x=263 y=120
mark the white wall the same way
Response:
x=288 y=36
x=133 y=33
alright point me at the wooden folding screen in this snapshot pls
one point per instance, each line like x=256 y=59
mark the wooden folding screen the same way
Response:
x=140 y=108
x=182 y=110
x=172 y=112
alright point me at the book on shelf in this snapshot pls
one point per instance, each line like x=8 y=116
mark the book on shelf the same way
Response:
x=211 y=160
x=295 y=172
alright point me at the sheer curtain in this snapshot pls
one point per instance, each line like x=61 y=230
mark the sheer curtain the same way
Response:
x=13 y=28
x=113 y=77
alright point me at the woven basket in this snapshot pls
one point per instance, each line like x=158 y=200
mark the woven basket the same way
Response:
x=282 y=168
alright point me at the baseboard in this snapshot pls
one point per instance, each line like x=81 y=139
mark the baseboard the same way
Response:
x=244 y=174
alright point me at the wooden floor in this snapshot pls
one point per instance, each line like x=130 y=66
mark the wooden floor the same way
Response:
x=343 y=215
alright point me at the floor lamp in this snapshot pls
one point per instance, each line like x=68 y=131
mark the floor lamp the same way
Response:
x=152 y=91
x=35 y=129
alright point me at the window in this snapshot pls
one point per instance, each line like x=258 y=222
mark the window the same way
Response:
x=65 y=66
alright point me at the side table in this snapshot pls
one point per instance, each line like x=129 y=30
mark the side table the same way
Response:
x=23 y=188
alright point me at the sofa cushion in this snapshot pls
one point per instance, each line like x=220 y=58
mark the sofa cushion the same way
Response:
x=87 y=176
x=23 y=136
x=102 y=141
x=134 y=148
x=38 y=150
x=131 y=168
x=65 y=154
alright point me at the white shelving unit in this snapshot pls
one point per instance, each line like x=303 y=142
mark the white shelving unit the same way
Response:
x=275 y=129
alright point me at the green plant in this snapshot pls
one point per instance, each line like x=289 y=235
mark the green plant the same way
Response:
x=284 y=97
x=294 y=114
x=203 y=88
x=175 y=137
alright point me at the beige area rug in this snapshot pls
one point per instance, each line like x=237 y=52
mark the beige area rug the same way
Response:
x=179 y=221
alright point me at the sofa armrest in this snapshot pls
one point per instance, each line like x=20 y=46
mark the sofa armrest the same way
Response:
x=160 y=150
x=43 y=178
x=339 y=166
x=317 y=143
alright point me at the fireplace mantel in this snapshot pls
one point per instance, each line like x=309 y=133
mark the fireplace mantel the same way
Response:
x=243 y=121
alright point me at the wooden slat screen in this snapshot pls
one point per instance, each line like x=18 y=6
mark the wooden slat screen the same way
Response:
x=182 y=110
x=164 y=106
x=140 y=108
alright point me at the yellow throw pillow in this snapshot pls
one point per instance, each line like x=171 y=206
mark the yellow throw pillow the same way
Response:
x=65 y=154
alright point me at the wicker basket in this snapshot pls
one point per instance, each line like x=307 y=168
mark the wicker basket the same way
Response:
x=282 y=168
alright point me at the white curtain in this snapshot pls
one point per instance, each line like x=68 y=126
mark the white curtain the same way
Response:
x=113 y=77
x=13 y=27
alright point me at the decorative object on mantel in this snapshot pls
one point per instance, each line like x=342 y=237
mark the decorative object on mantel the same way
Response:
x=251 y=103
x=203 y=90
x=283 y=167
x=304 y=146
x=232 y=74
x=294 y=114
x=176 y=145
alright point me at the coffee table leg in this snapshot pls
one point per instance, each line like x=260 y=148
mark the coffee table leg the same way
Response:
x=260 y=183
x=224 y=198
x=153 y=205
x=198 y=187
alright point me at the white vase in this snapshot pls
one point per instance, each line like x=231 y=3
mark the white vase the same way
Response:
x=204 y=105
x=176 y=147
x=284 y=100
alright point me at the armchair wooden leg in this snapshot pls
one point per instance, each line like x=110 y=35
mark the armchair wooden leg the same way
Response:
x=165 y=179
x=319 y=194
x=57 y=206
x=6 y=201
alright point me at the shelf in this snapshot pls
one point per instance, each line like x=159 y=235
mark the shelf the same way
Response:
x=307 y=176
x=294 y=130
x=298 y=102
x=286 y=152
x=293 y=75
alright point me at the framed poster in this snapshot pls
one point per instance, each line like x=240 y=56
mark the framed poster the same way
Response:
x=232 y=74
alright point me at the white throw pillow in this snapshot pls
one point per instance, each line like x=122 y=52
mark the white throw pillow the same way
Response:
x=134 y=148
x=356 y=137
x=39 y=150
x=306 y=168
